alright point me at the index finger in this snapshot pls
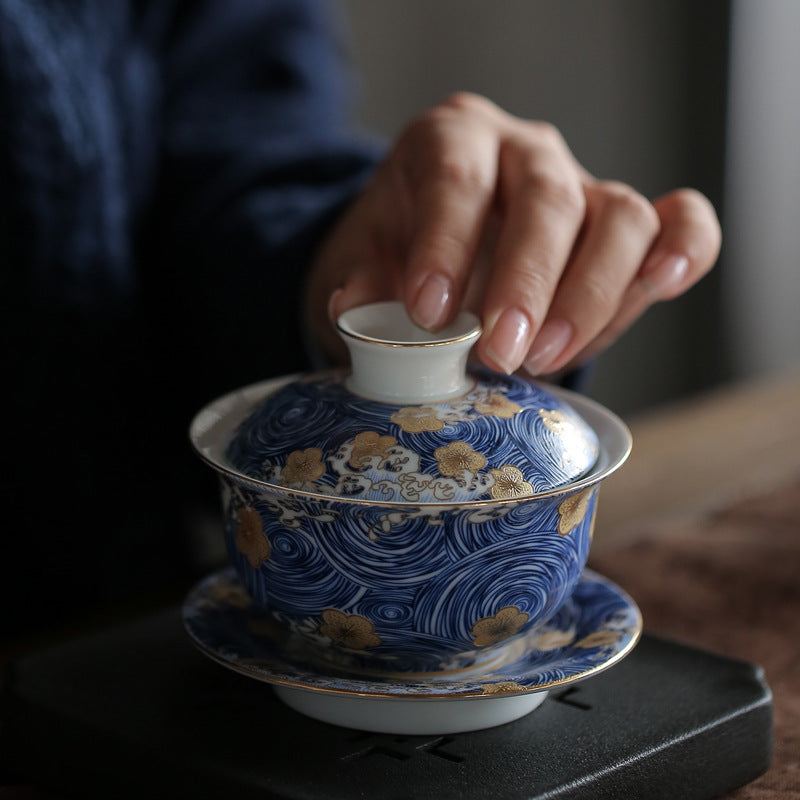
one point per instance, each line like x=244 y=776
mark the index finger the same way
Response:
x=447 y=168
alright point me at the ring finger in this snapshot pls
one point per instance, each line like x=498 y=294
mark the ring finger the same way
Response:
x=620 y=228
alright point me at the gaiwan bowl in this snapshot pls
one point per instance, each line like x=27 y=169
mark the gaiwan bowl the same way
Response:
x=409 y=515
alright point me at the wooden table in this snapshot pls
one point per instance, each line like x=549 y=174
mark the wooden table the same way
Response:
x=695 y=457
x=702 y=527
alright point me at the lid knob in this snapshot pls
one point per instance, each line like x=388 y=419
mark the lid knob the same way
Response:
x=395 y=361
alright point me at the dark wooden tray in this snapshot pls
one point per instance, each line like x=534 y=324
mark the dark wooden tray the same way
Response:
x=136 y=711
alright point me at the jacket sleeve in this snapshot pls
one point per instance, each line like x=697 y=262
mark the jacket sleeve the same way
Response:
x=259 y=155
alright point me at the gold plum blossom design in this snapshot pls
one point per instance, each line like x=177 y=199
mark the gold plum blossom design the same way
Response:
x=572 y=511
x=509 y=482
x=599 y=639
x=303 y=466
x=497 y=405
x=556 y=421
x=416 y=419
x=504 y=624
x=368 y=444
x=348 y=630
x=250 y=537
x=458 y=457
x=503 y=687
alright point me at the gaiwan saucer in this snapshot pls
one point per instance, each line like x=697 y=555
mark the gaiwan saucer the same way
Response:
x=598 y=626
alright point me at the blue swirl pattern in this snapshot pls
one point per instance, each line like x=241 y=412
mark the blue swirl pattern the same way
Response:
x=319 y=412
x=596 y=627
x=420 y=578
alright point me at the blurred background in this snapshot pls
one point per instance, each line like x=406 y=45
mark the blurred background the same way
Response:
x=660 y=94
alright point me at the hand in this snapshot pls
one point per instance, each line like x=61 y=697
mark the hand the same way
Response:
x=476 y=208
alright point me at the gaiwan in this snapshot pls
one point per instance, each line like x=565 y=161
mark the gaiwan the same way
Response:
x=409 y=514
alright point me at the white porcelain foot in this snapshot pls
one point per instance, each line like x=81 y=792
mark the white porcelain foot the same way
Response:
x=410 y=716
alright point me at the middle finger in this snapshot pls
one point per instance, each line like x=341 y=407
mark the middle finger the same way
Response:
x=543 y=207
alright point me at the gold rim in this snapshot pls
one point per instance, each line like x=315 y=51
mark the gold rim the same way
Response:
x=583 y=483
x=474 y=333
x=584 y=405
x=393 y=306
x=252 y=672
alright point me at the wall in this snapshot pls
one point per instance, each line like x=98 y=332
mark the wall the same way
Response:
x=762 y=291
x=636 y=88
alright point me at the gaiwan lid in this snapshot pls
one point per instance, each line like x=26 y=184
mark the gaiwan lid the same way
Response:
x=411 y=424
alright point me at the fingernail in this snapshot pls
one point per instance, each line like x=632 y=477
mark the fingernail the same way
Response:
x=509 y=339
x=550 y=343
x=664 y=274
x=430 y=308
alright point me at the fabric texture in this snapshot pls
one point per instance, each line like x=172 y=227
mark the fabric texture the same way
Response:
x=167 y=170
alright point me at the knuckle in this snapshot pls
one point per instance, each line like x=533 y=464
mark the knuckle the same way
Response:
x=548 y=133
x=419 y=132
x=442 y=250
x=555 y=188
x=532 y=284
x=620 y=199
x=466 y=101
x=596 y=294
x=431 y=149
x=464 y=173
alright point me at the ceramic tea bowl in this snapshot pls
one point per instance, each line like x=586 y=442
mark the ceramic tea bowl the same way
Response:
x=409 y=515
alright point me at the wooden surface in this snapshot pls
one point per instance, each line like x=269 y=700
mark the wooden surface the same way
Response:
x=702 y=527
x=728 y=581
x=701 y=455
